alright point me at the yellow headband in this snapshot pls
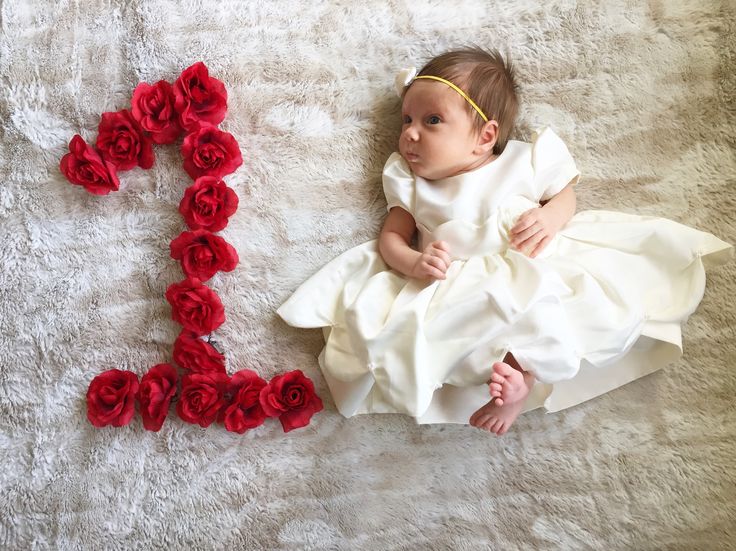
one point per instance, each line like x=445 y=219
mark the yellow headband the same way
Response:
x=459 y=91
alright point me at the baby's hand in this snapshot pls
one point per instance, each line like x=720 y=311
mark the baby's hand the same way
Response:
x=433 y=262
x=533 y=231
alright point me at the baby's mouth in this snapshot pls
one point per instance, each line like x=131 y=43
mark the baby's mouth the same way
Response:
x=412 y=157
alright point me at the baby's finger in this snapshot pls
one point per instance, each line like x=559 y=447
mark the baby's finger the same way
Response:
x=438 y=263
x=445 y=257
x=436 y=274
x=432 y=272
x=519 y=239
x=442 y=245
x=525 y=220
x=541 y=246
x=529 y=245
x=530 y=242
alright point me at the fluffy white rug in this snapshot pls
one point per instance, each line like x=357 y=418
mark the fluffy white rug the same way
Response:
x=642 y=92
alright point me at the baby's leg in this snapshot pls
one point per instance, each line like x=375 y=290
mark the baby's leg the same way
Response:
x=509 y=387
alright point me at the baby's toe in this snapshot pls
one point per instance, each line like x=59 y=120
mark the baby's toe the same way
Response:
x=497 y=426
x=488 y=425
x=497 y=378
x=496 y=389
x=502 y=369
x=479 y=418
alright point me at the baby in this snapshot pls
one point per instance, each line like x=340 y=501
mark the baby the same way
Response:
x=446 y=133
x=509 y=293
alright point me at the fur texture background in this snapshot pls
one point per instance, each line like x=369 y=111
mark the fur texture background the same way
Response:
x=643 y=94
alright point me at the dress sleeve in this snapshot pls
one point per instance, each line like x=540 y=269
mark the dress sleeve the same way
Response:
x=398 y=184
x=553 y=165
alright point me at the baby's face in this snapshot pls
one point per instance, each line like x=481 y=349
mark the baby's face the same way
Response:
x=438 y=138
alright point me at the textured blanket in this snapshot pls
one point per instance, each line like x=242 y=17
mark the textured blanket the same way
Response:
x=643 y=93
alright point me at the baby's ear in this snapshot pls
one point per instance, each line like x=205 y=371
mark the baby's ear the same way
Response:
x=488 y=137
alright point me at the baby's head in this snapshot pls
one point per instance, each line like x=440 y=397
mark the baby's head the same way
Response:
x=450 y=129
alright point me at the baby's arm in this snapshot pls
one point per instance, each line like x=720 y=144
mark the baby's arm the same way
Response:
x=536 y=227
x=394 y=246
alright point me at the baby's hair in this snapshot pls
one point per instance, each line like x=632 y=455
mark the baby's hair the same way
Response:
x=487 y=79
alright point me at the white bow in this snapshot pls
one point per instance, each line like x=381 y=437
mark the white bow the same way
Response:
x=403 y=79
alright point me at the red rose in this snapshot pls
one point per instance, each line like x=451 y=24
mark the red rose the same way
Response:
x=153 y=108
x=157 y=388
x=209 y=151
x=195 y=306
x=202 y=397
x=83 y=166
x=244 y=411
x=194 y=354
x=203 y=254
x=199 y=97
x=111 y=398
x=207 y=204
x=291 y=398
x=121 y=141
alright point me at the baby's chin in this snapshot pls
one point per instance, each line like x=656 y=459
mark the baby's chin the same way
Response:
x=419 y=168
x=428 y=173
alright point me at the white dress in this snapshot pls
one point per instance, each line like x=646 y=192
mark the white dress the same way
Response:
x=601 y=306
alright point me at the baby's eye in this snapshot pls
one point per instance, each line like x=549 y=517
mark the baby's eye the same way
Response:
x=407 y=119
x=434 y=119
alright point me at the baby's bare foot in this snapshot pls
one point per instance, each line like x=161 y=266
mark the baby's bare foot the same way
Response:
x=507 y=384
x=509 y=394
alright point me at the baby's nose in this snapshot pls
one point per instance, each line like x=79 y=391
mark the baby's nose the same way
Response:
x=411 y=134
